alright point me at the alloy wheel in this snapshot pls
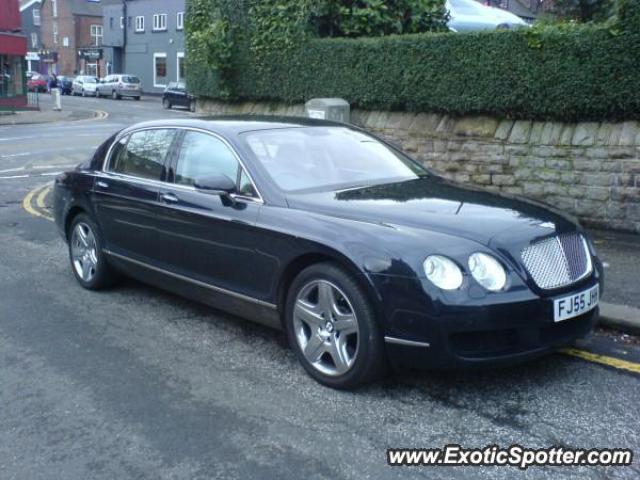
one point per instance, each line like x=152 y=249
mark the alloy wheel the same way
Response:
x=326 y=327
x=84 y=253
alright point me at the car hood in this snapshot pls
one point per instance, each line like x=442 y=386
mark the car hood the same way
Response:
x=497 y=221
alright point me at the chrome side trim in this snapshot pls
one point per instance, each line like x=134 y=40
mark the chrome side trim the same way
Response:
x=409 y=343
x=107 y=162
x=191 y=280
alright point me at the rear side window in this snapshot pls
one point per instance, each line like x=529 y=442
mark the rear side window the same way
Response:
x=130 y=79
x=144 y=154
x=203 y=155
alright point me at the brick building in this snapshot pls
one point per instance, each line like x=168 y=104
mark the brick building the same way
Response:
x=72 y=37
x=13 y=48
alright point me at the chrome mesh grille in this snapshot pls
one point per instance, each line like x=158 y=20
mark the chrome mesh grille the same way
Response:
x=558 y=261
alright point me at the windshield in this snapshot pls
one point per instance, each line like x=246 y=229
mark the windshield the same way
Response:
x=90 y=80
x=466 y=7
x=128 y=79
x=327 y=158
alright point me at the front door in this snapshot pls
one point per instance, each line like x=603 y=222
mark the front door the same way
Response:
x=208 y=237
x=126 y=194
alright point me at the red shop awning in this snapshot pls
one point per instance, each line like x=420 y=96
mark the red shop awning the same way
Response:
x=13 y=44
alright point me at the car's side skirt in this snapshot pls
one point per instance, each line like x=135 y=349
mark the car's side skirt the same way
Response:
x=236 y=303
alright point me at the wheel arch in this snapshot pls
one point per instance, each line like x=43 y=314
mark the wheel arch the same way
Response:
x=299 y=263
x=73 y=212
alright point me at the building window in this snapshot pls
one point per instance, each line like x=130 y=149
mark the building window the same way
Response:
x=139 y=24
x=65 y=41
x=159 y=69
x=96 y=35
x=128 y=22
x=180 y=64
x=34 y=40
x=121 y=22
x=54 y=8
x=180 y=21
x=36 y=17
x=110 y=23
x=160 y=21
x=55 y=33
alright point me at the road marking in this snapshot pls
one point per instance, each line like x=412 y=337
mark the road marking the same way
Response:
x=32 y=175
x=27 y=202
x=41 y=197
x=603 y=359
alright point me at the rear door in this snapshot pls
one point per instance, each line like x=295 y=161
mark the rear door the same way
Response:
x=126 y=193
x=207 y=237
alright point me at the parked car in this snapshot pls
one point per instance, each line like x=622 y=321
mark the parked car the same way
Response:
x=469 y=15
x=37 y=83
x=118 y=86
x=65 y=84
x=176 y=94
x=357 y=251
x=84 y=85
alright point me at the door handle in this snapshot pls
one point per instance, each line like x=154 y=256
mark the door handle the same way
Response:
x=169 y=197
x=102 y=184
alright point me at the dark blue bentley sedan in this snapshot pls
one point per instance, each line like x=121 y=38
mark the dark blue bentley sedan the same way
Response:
x=359 y=253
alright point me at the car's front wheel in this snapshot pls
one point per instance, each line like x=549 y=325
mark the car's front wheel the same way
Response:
x=166 y=104
x=88 y=261
x=331 y=325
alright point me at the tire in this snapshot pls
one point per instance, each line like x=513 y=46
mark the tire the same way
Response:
x=82 y=93
x=137 y=99
x=115 y=95
x=166 y=104
x=192 y=106
x=88 y=262
x=352 y=336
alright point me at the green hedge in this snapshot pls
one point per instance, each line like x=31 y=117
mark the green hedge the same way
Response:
x=573 y=73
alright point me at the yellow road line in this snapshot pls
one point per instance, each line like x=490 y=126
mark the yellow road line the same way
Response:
x=41 y=197
x=603 y=359
x=27 y=202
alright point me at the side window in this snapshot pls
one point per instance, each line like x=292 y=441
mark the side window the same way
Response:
x=203 y=155
x=246 y=187
x=144 y=154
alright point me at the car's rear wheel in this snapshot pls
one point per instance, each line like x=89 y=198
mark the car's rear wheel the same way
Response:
x=192 y=106
x=115 y=95
x=166 y=104
x=88 y=261
x=331 y=326
x=137 y=99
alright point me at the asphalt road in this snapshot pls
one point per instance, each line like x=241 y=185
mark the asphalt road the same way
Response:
x=137 y=383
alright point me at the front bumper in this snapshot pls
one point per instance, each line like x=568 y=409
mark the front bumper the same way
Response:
x=468 y=329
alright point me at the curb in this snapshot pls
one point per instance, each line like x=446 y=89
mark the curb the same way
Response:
x=621 y=317
x=93 y=115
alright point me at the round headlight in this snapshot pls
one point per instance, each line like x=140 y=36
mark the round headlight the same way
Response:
x=487 y=271
x=442 y=272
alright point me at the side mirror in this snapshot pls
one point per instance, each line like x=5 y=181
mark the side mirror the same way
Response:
x=215 y=185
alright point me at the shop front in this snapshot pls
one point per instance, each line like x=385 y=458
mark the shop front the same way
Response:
x=13 y=81
x=90 y=62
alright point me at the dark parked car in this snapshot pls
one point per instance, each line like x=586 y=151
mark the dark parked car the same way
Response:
x=65 y=84
x=176 y=94
x=359 y=253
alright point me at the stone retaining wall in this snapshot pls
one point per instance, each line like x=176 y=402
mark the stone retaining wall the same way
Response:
x=589 y=169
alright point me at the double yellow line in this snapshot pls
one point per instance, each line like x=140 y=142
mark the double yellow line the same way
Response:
x=603 y=359
x=34 y=204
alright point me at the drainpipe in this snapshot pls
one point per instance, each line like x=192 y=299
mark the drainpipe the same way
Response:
x=125 y=25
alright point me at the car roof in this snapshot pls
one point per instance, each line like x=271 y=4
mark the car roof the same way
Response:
x=236 y=124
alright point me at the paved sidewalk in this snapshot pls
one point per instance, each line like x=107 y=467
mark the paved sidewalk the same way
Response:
x=46 y=114
x=620 y=253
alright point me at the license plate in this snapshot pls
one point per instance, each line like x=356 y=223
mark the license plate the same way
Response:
x=575 y=304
